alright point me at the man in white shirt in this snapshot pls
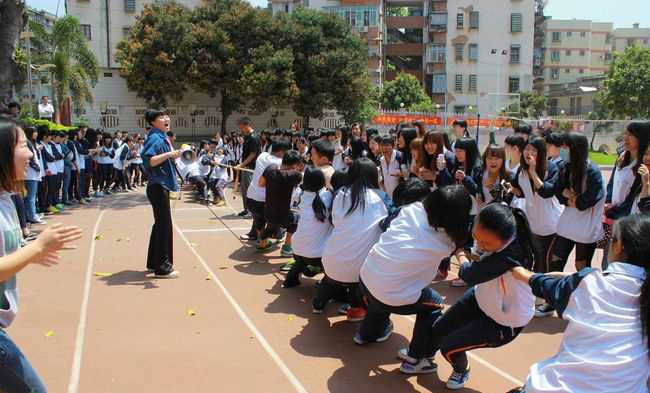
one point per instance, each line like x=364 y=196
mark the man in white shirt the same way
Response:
x=45 y=109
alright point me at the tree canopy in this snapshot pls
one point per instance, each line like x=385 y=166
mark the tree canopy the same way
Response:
x=627 y=87
x=405 y=89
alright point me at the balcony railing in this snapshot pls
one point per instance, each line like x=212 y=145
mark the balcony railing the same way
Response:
x=438 y=21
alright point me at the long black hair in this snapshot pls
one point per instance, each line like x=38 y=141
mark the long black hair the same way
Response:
x=9 y=136
x=362 y=175
x=578 y=160
x=408 y=134
x=508 y=223
x=448 y=208
x=540 y=165
x=472 y=155
x=641 y=131
x=632 y=232
x=314 y=181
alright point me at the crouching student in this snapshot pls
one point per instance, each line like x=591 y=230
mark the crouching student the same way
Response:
x=313 y=229
x=398 y=270
x=279 y=184
x=497 y=307
x=189 y=169
x=356 y=212
x=218 y=177
x=605 y=348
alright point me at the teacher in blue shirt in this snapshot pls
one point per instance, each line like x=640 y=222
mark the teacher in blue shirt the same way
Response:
x=158 y=157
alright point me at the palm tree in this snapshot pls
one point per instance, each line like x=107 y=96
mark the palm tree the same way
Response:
x=75 y=68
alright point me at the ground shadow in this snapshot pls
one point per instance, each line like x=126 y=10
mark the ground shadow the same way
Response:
x=131 y=277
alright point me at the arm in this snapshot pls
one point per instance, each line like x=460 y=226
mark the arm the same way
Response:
x=47 y=157
x=470 y=182
x=484 y=270
x=56 y=154
x=594 y=191
x=546 y=188
x=251 y=157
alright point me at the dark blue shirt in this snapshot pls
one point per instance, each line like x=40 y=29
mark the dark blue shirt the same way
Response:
x=163 y=174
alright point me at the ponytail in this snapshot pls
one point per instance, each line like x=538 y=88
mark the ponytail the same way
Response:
x=320 y=210
x=524 y=235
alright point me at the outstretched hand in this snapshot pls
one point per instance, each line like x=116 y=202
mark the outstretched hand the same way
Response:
x=54 y=239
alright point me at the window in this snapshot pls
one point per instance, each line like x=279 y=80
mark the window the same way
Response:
x=583 y=34
x=515 y=54
x=473 y=82
x=473 y=52
x=473 y=20
x=459 y=50
x=630 y=41
x=557 y=36
x=85 y=29
x=582 y=71
x=567 y=70
x=569 y=34
x=359 y=16
x=460 y=21
x=555 y=73
x=439 y=20
x=437 y=53
x=568 y=52
x=125 y=31
x=129 y=5
x=458 y=86
x=582 y=53
x=515 y=23
x=108 y=74
x=306 y=3
x=439 y=83
x=286 y=7
x=555 y=56
x=513 y=84
x=459 y=108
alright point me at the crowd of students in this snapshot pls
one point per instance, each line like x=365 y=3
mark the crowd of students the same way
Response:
x=382 y=216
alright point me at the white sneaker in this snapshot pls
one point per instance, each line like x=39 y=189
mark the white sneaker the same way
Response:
x=423 y=366
x=458 y=380
x=172 y=274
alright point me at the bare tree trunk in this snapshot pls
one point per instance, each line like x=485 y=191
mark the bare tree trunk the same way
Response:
x=12 y=20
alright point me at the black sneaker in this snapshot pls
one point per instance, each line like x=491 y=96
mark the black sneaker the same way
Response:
x=385 y=335
x=544 y=310
x=243 y=213
x=457 y=380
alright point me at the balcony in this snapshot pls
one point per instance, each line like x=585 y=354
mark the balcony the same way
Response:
x=404 y=49
x=390 y=75
x=413 y=22
x=438 y=21
x=436 y=68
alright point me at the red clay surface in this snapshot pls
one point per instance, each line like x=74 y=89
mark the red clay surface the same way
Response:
x=225 y=326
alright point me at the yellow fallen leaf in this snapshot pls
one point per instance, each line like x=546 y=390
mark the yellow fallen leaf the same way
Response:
x=99 y=237
x=103 y=274
x=126 y=239
x=194 y=245
x=190 y=312
x=223 y=267
x=290 y=319
x=49 y=333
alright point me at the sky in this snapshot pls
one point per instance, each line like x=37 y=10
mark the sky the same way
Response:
x=626 y=11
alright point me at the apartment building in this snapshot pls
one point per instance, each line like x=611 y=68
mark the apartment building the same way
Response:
x=105 y=23
x=624 y=37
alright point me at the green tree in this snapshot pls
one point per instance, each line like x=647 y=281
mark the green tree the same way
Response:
x=531 y=104
x=627 y=87
x=237 y=58
x=75 y=68
x=12 y=19
x=330 y=62
x=155 y=58
x=365 y=104
x=405 y=89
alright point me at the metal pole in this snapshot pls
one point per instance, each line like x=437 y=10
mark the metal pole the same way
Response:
x=29 y=67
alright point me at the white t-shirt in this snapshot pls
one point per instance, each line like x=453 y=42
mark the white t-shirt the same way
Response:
x=406 y=258
x=219 y=172
x=387 y=170
x=117 y=163
x=10 y=241
x=623 y=180
x=137 y=159
x=107 y=158
x=602 y=349
x=517 y=202
x=59 y=164
x=45 y=111
x=309 y=239
x=353 y=235
x=33 y=174
x=255 y=192
x=582 y=226
x=50 y=165
x=543 y=213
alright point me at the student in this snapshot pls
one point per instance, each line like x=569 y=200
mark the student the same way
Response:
x=280 y=183
x=437 y=161
x=580 y=188
x=642 y=202
x=396 y=275
x=322 y=155
x=356 y=212
x=554 y=152
x=404 y=139
x=374 y=151
x=389 y=163
x=158 y=158
x=497 y=308
x=257 y=195
x=105 y=158
x=514 y=145
x=313 y=228
x=189 y=169
x=415 y=149
x=59 y=165
x=459 y=128
x=136 y=162
x=493 y=175
x=410 y=191
x=605 y=347
x=47 y=192
x=35 y=174
x=535 y=181
x=119 y=165
x=218 y=177
x=468 y=168
x=250 y=150
x=17 y=374
x=524 y=130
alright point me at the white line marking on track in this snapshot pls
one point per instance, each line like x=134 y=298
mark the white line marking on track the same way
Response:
x=215 y=230
x=249 y=323
x=485 y=363
x=73 y=385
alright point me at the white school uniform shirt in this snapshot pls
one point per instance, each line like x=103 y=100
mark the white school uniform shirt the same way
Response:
x=255 y=192
x=117 y=163
x=582 y=226
x=602 y=349
x=50 y=165
x=204 y=170
x=387 y=169
x=106 y=159
x=81 y=159
x=219 y=172
x=353 y=235
x=623 y=180
x=311 y=235
x=517 y=202
x=137 y=158
x=406 y=258
x=59 y=164
x=338 y=163
x=543 y=213
x=32 y=174
x=509 y=302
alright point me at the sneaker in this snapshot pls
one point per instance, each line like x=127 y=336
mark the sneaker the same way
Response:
x=343 y=310
x=312 y=271
x=544 y=310
x=423 y=366
x=315 y=310
x=290 y=283
x=247 y=216
x=30 y=237
x=172 y=274
x=264 y=245
x=385 y=335
x=403 y=354
x=107 y=192
x=356 y=314
x=243 y=213
x=220 y=203
x=82 y=202
x=248 y=237
x=53 y=210
x=286 y=251
x=458 y=283
x=60 y=206
x=287 y=266
x=37 y=221
x=457 y=380
x=99 y=194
